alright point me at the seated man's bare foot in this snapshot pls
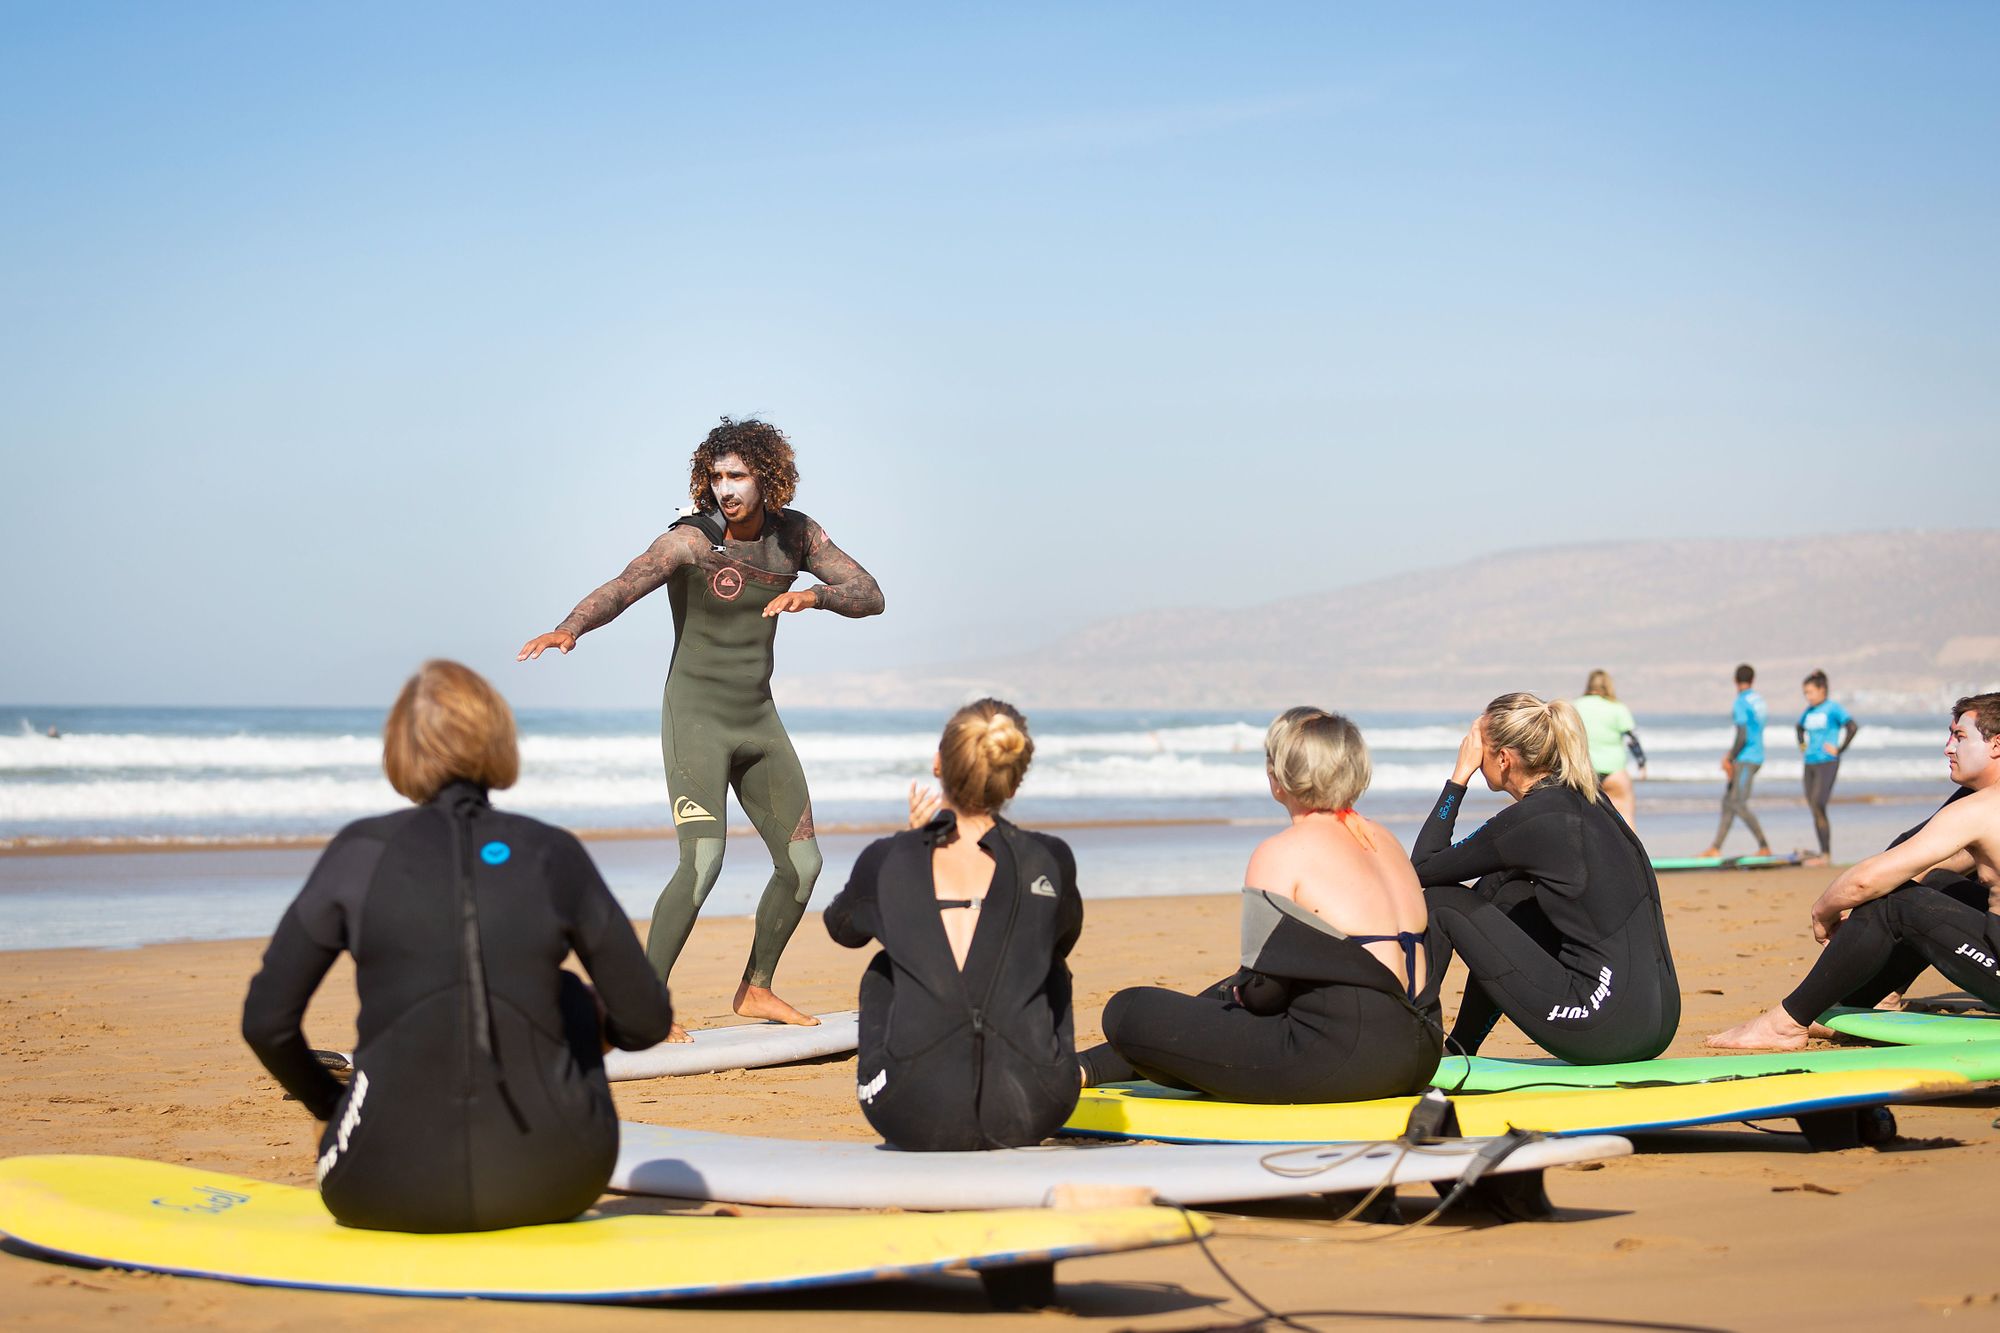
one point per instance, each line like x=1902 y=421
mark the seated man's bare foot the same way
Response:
x=1772 y=1030
x=759 y=1002
x=1892 y=1002
x=1712 y=854
x=678 y=1033
x=1821 y=1032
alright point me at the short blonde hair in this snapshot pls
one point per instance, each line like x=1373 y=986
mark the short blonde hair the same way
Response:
x=448 y=724
x=1549 y=737
x=1318 y=758
x=1599 y=684
x=984 y=754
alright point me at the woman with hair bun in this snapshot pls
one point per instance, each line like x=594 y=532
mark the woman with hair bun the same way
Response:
x=1562 y=930
x=967 y=1039
x=1334 y=1001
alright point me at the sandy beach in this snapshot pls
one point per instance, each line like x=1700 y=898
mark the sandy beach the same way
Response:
x=134 y=1052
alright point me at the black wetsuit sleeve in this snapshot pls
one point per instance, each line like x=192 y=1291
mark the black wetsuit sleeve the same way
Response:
x=1069 y=901
x=1514 y=839
x=637 y=1010
x=1848 y=739
x=1736 y=746
x=310 y=936
x=854 y=917
x=1637 y=751
x=1799 y=732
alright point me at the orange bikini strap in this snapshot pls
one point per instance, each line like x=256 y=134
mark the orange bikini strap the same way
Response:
x=1346 y=816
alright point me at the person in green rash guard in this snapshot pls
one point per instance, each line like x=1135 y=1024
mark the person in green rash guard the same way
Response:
x=729 y=567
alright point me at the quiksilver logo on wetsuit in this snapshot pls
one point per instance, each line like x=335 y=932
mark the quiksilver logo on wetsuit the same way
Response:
x=687 y=810
x=1041 y=888
x=726 y=583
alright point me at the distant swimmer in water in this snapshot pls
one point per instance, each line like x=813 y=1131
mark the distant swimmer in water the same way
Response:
x=1613 y=735
x=478 y=1099
x=1334 y=1000
x=1873 y=909
x=729 y=569
x=54 y=735
x=1740 y=764
x=1825 y=730
x=967 y=1036
x=1563 y=932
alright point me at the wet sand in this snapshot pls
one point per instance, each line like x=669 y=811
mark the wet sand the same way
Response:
x=135 y=1053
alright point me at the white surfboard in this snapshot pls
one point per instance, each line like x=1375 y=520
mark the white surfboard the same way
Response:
x=734 y=1168
x=743 y=1046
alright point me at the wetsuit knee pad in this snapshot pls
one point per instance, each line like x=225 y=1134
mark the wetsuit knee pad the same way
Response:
x=705 y=854
x=806 y=865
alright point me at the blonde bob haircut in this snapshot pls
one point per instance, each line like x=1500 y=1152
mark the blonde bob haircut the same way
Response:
x=448 y=725
x=1549 y=737
x=984 y=754
x=1599 y=684
x=1318 y=758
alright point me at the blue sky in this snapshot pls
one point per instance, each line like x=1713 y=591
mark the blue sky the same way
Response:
x=337 y=336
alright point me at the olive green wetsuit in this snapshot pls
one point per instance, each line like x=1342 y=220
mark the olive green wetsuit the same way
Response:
x=719 y=728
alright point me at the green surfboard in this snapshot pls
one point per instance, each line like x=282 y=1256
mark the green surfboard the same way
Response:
x=1664 y=864
x=1914 y=1029
x=1976 y=1060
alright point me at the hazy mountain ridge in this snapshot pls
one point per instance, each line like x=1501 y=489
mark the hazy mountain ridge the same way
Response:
x=1897 y=619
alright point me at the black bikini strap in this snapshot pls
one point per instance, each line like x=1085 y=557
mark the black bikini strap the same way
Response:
x=1409 y=940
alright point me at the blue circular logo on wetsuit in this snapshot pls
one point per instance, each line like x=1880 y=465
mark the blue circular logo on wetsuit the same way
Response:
x=495 y=853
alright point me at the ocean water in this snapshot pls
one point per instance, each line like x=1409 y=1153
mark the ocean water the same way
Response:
x=199 y=774
x=154 y=788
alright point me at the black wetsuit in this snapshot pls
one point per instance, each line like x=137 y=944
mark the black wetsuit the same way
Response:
x=1562 y=933
x=1942 y=921
x=981 y=1058
x=1312 y=1017
x=478 y=1098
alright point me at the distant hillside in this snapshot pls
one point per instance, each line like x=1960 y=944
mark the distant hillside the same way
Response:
x=1899 y=620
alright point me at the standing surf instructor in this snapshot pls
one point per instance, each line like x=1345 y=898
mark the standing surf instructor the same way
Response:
x=729 y=567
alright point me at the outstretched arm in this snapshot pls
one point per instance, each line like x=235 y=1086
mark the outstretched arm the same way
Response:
x=845 y=588
x=652 y=567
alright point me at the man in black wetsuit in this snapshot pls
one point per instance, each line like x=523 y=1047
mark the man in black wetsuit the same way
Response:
x=1929 y=900
x=729 y=567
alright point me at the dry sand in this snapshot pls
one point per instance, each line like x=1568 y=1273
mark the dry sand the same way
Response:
x=135 y=1053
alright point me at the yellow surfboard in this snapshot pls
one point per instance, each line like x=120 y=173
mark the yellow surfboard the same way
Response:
x=1149 y=1111
x=118 y=1212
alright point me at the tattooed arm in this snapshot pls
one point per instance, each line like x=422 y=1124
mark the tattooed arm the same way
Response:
x=845 y=588
x=673 y=549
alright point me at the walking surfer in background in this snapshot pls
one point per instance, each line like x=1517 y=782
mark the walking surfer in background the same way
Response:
x=967 y=1034
x=1825 y=730
x=478 y=1099
x=1740 y=764
x=1612 y=733
x=729 y=566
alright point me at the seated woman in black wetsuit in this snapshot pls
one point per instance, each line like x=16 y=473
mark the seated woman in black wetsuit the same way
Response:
x=1562 y=930
x=1334 y=1002
x=967 y=1040
x=478 y=1099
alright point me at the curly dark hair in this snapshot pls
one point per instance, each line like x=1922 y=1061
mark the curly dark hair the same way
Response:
x=760 y=445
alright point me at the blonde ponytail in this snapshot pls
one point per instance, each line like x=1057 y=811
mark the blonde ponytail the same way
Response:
x=984 y=754
x=1549 y=737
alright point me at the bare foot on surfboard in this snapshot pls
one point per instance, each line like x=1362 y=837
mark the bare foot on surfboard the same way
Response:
x=1772 y=1030
x=678 y=1034
x=758 y=1002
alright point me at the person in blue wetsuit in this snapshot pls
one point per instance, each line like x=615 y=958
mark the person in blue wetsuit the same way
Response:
x=1336 y=998
x=1739 y=766
x=478 y=1098
x=1825 y=730
x=967 y=1034
x=1563 y=931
